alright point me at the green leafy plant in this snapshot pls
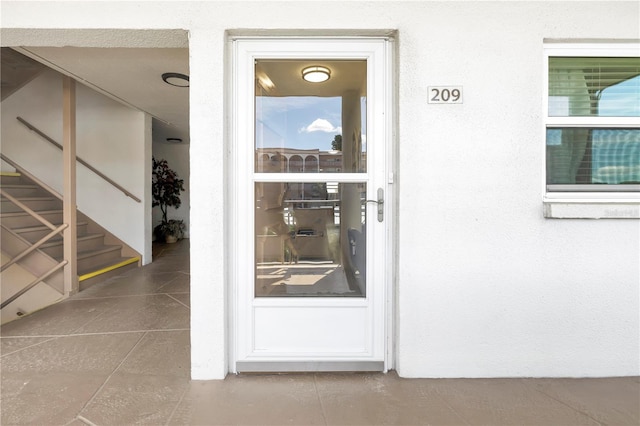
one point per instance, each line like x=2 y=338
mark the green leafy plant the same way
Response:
x=166 y=187
x=173 y=227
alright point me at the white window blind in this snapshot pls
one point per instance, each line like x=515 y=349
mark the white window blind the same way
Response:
x=583 y=86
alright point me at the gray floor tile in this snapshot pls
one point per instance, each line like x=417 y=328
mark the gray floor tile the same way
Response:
x=611 y=401
x=171 y=262
x=160 y=353
x=60 y=319
x=46 y=398
x=184 y=298
x=137 y=282
x=180 y=284
x=381 y=399
x=76 y=422
x=147 y=312
x=128 y=399
x=505 y=402
x=165 y=250
x=96 y=354
x=9 y=345
x=252 y=400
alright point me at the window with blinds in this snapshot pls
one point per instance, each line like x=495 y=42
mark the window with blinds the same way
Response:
x=593 y=123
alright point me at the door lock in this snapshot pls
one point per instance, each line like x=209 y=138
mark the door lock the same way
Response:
x=380 y=203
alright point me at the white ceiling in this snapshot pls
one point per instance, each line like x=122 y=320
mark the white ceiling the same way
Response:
x=132 y=76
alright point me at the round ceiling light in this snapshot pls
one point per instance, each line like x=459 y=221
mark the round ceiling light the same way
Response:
x=176 y=79
x=316 y=74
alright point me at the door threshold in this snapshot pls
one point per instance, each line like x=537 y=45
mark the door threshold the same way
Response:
x=307 y=366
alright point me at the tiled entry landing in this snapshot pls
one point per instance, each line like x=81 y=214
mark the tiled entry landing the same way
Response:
x=118 y=354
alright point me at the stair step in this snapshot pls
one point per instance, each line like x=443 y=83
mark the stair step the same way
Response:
x=104 y=249
x=34 y=233
x=32 y=198
x=55 y=247
x=91 y=260
x=23 y=219
x=58 y=240
x=23 y=190
x=10 y=182
x=34 y=203
x=41 y=227
x=109 y=267
x=4 y=215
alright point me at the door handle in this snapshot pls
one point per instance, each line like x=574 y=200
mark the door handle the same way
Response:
x=380 y=203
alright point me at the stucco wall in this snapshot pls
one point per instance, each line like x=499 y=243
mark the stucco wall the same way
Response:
x=486 y=286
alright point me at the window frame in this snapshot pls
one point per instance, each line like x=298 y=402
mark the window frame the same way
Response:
x=566 y=202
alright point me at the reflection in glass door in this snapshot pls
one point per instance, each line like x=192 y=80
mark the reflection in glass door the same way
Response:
x=310 y=250
x=300 y=249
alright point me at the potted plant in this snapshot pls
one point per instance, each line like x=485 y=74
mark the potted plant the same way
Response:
x=172 y=230
x=166 y=187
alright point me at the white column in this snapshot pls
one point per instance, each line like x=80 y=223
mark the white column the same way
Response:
x=69 y=182
x=208 y=213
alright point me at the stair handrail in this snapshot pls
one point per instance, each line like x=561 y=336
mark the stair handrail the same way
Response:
x=80 y=160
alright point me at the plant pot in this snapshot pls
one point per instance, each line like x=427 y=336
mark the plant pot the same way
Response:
x=170 y=239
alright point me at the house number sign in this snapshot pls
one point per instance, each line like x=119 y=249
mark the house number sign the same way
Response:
x=445 y=94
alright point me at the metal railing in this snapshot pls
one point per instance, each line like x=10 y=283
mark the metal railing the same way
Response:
x=34 y=283
x=80 y=160
x=55 y=230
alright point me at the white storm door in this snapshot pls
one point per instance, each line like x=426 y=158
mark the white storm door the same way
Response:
x=310 y=203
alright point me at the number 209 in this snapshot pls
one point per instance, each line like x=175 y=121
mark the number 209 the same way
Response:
x=445 y=95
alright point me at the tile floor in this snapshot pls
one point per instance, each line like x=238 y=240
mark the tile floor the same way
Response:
x=118 y=354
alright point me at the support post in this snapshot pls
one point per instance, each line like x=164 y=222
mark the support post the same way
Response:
x=69 y=181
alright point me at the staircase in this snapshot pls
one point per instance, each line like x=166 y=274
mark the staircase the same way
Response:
x=100 y=254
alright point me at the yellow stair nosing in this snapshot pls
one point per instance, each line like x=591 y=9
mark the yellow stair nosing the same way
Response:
x=15 y=174
x=108 y=268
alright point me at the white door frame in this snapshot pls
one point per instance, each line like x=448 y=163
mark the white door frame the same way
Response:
x=240 y=163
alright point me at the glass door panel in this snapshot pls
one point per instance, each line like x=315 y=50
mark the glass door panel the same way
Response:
x=308 y=241
x=310 y=236
x=310 y=127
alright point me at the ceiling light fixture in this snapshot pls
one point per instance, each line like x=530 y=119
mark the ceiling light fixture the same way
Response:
x=176 y=79
x=316 y=74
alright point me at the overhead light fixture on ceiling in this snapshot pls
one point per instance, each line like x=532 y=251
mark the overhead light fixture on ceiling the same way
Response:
x=316 y=74
x=176 y=79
